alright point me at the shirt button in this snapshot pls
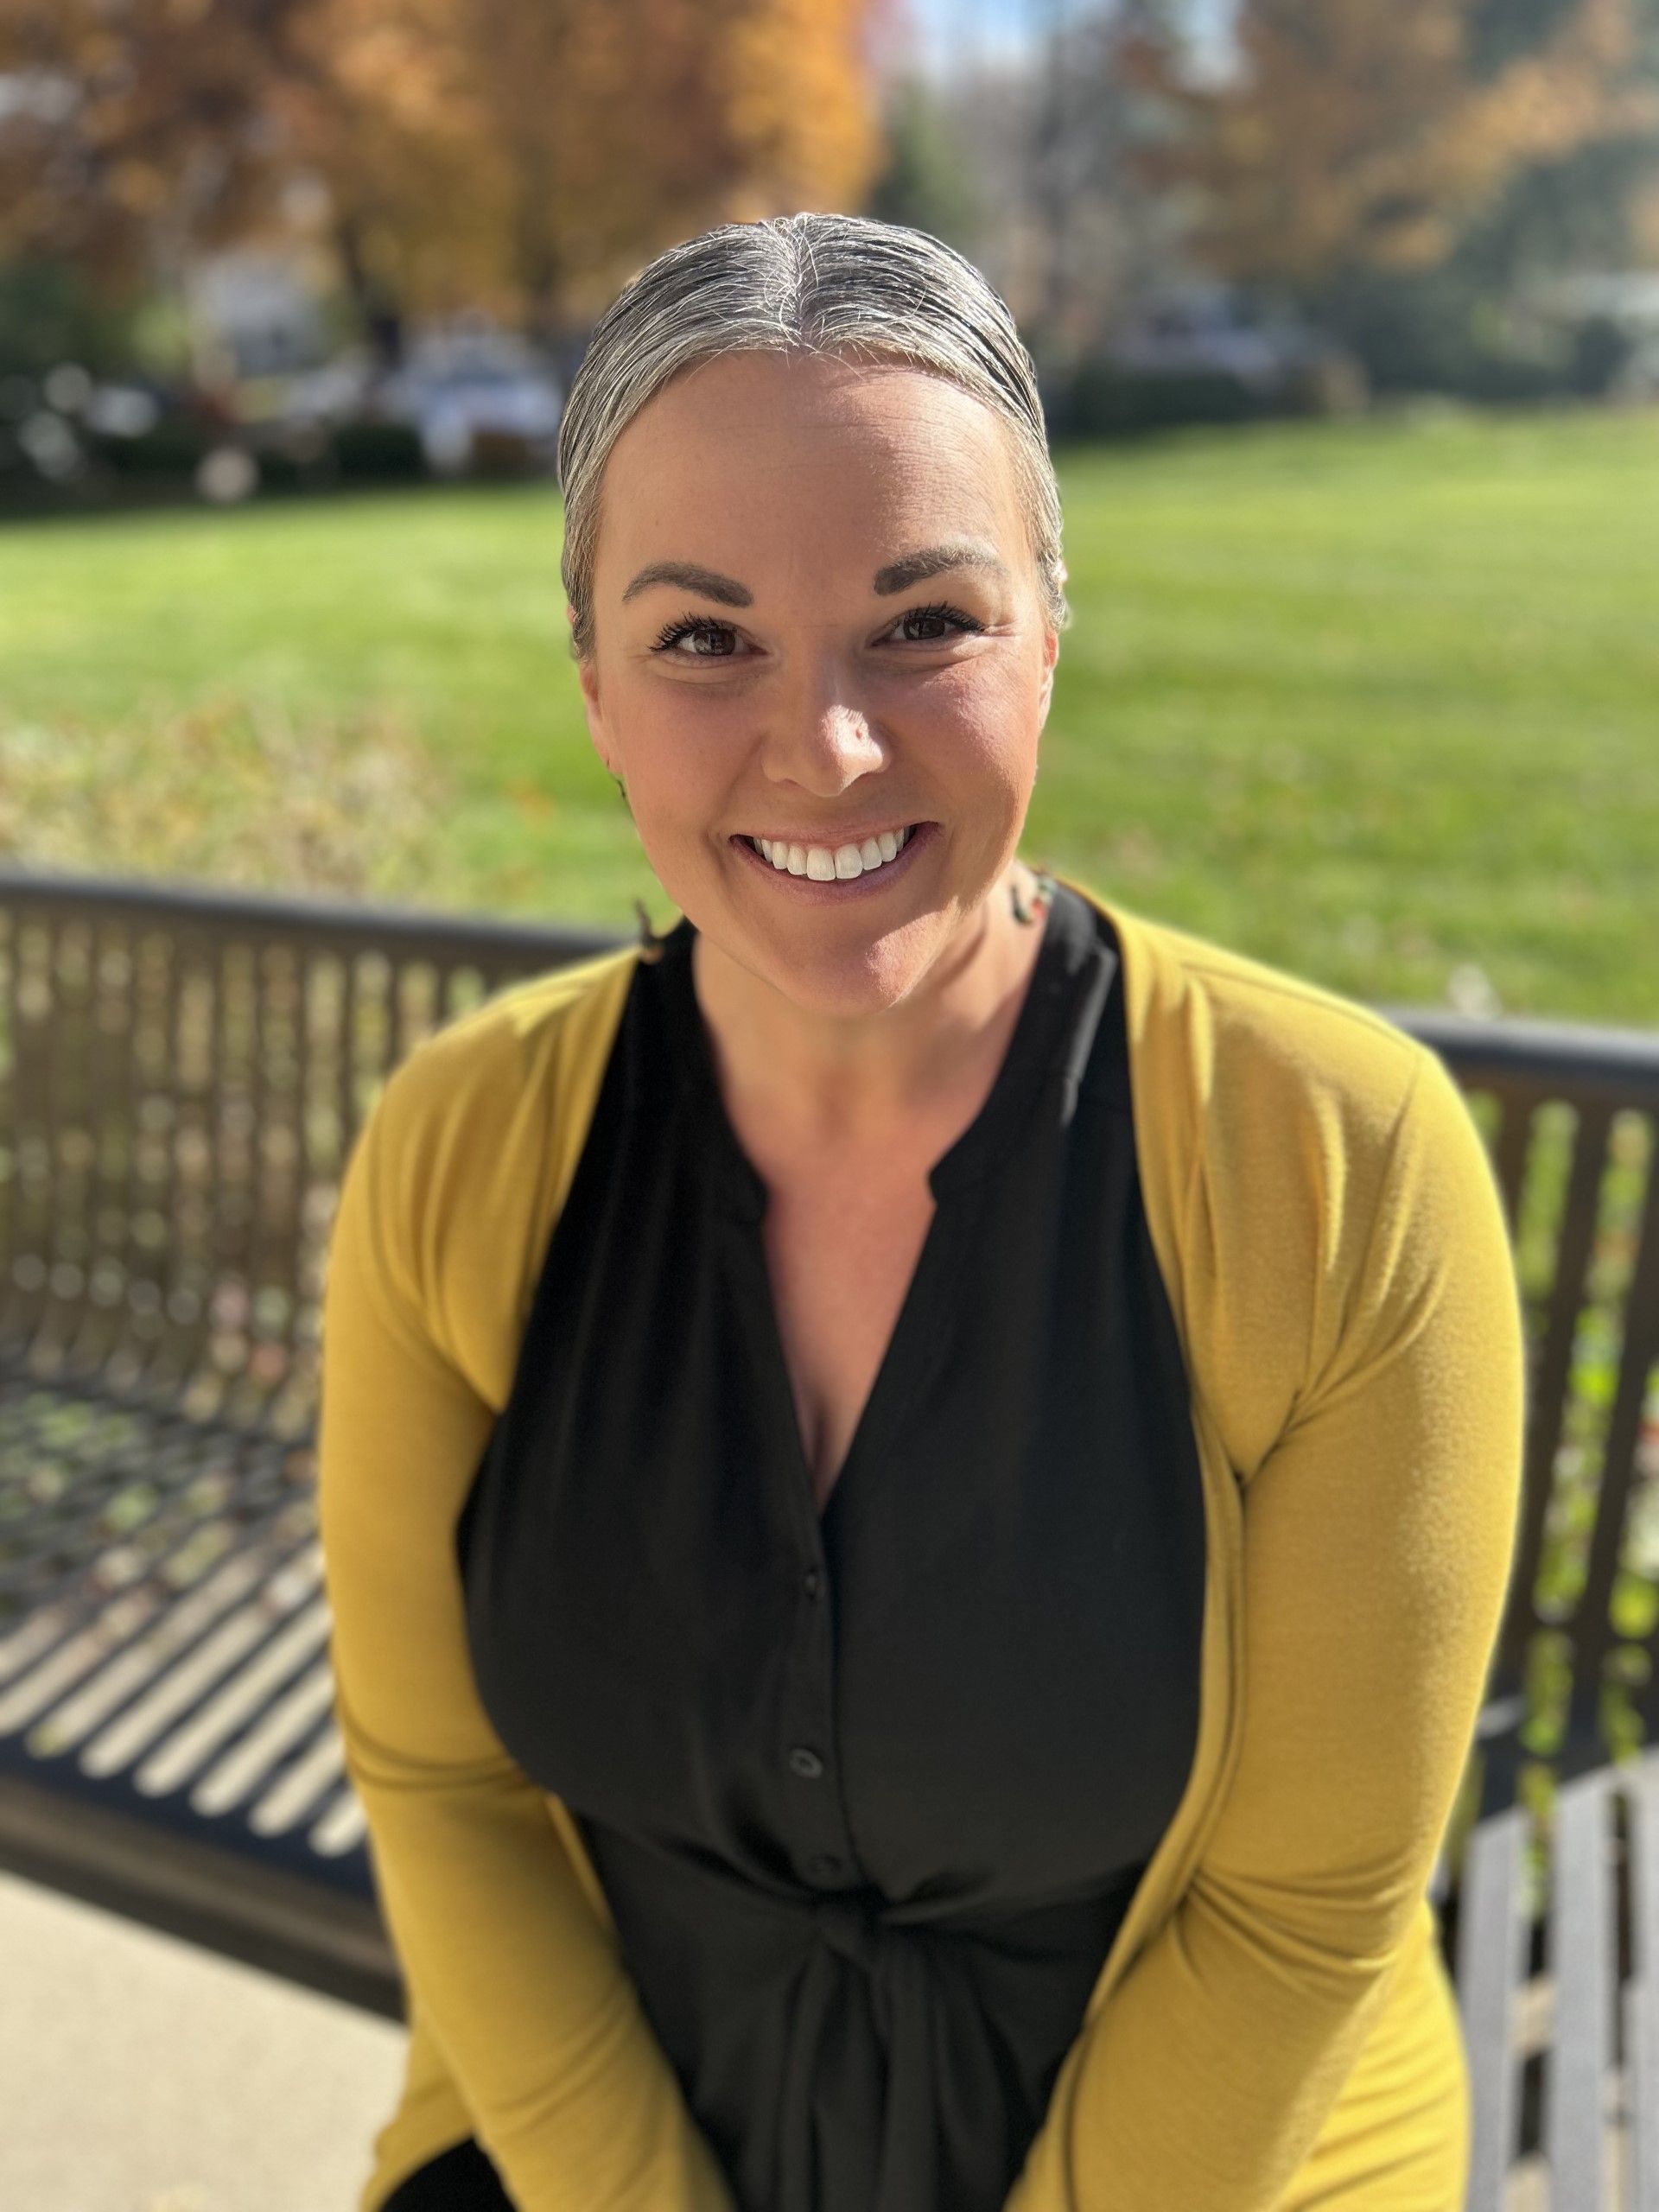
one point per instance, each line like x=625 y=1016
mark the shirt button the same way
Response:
x=804 y=1763
x=826 y=1866
x=812 y=1582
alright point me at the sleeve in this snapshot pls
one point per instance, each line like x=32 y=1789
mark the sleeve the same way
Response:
x=518 y=1976
x=1378 y=1541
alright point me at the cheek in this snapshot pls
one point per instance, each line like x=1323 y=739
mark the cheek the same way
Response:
x=980 y=723
x=683 y=755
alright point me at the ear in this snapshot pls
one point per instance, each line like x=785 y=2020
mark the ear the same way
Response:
x=1050 y=655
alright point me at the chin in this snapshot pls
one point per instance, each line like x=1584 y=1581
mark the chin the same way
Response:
x=849 y=981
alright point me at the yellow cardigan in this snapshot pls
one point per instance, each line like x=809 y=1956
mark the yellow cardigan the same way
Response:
x=1273 y=2028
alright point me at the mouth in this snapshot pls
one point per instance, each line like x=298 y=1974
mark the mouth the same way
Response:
x=850 y=867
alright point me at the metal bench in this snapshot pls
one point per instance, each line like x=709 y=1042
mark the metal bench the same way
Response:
x=182 y=1075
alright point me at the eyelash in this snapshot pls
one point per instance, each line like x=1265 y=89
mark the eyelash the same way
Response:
x=694 y=625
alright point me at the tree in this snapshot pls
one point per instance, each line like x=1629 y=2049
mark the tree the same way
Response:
x=927 y=180
x=1062 y=221
x=133 y=131
x=512 y=154
x=596 y=135
x=1374 y=132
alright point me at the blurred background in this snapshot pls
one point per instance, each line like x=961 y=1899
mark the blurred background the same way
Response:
x=1346 y=314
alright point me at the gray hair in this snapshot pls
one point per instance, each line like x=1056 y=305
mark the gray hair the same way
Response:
x=807 y=283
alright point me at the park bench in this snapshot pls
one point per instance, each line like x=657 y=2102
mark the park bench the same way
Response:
x=182 y=1075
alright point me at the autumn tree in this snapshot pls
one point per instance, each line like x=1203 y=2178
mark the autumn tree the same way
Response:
x=514 y=154
x=555 y=144
x=1373 y=132
x=126 y=130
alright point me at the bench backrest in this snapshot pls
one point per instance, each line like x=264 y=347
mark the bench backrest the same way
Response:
x=182 y=1076
x=1570 y=1114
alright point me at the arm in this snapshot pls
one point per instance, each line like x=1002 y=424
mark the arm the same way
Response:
x=1378 y=1534
x=520 y=1980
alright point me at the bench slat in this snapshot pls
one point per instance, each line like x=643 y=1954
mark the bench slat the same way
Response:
x=1490 y=1967
x=1642 y=1995
x=1582 y=1951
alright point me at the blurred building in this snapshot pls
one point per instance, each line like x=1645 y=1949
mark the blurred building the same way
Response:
x=258 y=311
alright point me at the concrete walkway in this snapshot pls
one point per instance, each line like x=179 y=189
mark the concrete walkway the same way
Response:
x=143 y=2074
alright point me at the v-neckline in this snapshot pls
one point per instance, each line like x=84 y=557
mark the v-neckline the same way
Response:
x=1026 y=1059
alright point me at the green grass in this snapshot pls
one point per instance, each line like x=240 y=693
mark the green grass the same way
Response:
x=1377 y=701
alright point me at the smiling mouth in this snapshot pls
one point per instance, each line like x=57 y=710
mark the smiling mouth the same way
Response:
x=825 y=863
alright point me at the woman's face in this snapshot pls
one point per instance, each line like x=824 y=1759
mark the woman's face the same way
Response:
x=772 y=658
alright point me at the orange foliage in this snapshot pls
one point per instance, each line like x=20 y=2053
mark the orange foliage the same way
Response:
x=132 y=130
x=519 y=155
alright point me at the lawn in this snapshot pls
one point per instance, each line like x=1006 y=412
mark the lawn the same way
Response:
x=1376 y=701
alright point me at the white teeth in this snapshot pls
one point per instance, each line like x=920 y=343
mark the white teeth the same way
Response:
x=827 y=864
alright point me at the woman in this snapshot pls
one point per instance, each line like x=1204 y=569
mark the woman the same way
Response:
x=918 y=1476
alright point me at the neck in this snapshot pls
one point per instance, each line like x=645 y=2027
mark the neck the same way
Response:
x=858 y=1083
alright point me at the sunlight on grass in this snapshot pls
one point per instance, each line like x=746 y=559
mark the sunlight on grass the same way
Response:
x=227 y=793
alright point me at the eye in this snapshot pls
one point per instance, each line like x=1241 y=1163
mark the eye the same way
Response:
x=941 y=610
x=694 y=625
x=705 y=627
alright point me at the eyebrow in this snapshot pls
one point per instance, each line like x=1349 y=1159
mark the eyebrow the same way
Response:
x=912 y=568
x=690 y=577
x=896 y=577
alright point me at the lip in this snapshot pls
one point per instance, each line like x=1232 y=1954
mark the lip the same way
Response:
x=813 y=893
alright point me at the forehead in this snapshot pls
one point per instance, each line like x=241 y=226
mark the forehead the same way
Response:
x=770 y=448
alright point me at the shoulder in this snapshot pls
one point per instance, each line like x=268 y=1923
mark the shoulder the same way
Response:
x=489 y=1075
x=1251 y=1036
x=471 y=1144
x=1305 y=1102
x=1273 y=1117
x=1346 y=1099
x=1237 y=1065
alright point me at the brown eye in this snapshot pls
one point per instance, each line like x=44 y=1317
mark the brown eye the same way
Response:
x=942 y=611
x=694 y=625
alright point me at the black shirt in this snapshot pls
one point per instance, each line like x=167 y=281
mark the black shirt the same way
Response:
x=867 y=1791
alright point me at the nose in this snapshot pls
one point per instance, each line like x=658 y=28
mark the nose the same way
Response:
x=821 y=736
